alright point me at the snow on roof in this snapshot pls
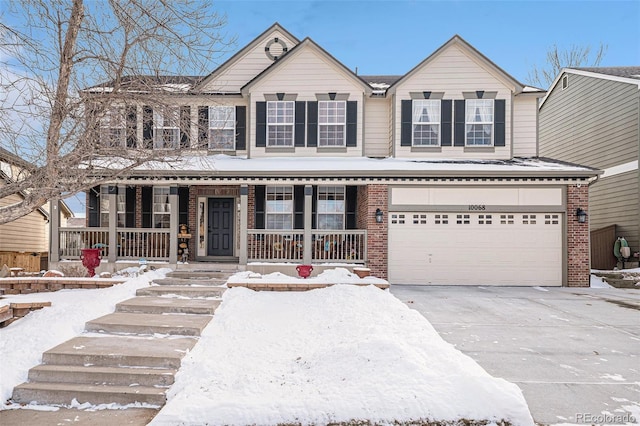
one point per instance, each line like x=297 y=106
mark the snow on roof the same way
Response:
x=223 y=164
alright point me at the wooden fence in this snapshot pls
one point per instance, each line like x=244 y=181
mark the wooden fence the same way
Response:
x=602 y=241
x=29 y=261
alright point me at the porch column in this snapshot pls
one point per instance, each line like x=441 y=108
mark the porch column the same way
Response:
x=113 y=223
x=173 y=224
x=308 y=213
x=244 y=224
x=54 y=230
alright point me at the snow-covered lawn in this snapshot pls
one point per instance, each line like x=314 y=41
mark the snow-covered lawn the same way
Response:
x=23 y=342
x=331 y=355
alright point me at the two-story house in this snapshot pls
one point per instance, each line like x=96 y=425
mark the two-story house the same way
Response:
x=591 y=116
x=287 y=156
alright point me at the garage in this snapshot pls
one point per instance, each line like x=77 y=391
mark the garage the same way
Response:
x=476 y=248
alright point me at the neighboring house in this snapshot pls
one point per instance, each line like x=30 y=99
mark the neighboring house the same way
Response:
x=286 y=155
x=29 y=234
x=591 y=116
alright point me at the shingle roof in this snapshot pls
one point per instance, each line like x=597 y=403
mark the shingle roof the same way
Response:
x=381 y=79
x=179 y=82
x=12 y=158
x=626 y=72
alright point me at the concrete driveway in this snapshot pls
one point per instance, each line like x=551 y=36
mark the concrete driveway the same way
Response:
x=575 y=353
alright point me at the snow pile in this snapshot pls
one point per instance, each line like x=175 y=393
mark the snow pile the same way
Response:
x=329 y=276
x=23 y=342
x=336 y=354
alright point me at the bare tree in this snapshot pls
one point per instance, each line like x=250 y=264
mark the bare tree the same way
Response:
x=557 y=58
x=55 y=56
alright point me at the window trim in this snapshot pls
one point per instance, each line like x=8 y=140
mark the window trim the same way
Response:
x=166 y=212
x=121 y=201
x=565 y=81
x=483 y=123
x=159 y=117
x=343 y=124
x=416 y=102
x=344 y=206
x=273 y=189
x=229 y=124
x=106 y=124
x=269 y=143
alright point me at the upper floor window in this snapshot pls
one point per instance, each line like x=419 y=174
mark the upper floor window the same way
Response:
x=479 y=122
x=166 y=121
x=426 y=122
x=331 y=207
x=280 y=121
x=113 y=128
x=222 y=127
x=332 y=121
x=279 y=207
x=161 y=207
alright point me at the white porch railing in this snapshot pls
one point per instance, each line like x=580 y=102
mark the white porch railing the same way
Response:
x=344 y=246
x=150 y=244
x=73 y=240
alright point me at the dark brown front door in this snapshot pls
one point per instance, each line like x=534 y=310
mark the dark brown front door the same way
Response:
x=220 y=241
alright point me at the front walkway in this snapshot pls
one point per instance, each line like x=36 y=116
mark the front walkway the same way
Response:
x=573 y=352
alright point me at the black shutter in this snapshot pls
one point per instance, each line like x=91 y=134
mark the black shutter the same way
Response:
x=130 y=201
x=147 y=207
x=203 y=127
x=147 y=127
x=351 y=201
x=298 y=207
x=312 y=123
x=183 y=205
x=459 y=120
x=314 y=208
x=498 y=120
x=352 y=123
x=260 y=191
x=300 y=123
x=261 y=124
x=406 y=115
x=93 y=124
x=132 y=127
x=241 y=128
x=94 y=206
x=445 y=122
x=185 y=126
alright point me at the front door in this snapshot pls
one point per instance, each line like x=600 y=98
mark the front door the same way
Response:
x=220 y=232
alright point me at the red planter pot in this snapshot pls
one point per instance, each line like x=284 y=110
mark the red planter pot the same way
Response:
x=90 y=260
x=304 y=270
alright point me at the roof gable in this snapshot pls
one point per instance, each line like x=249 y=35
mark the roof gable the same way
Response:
x=473 y=54
x=620 y=74
x=247 y=62
x=308 y=45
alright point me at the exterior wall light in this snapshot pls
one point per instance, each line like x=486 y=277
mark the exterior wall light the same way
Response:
x=581 y=215
x=378 y=216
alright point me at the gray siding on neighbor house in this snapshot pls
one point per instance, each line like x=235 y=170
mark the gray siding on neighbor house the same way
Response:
x=615 y=201
x=594 y=122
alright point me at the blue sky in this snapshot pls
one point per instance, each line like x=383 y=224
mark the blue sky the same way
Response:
x=391 y=37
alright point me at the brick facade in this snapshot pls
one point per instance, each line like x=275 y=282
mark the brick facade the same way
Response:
x=377 y=197
x=578 y=270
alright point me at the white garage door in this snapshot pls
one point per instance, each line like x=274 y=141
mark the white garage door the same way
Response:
x=475 y=248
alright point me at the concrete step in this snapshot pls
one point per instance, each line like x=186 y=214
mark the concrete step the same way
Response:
x=222 y=273
x=118 y=376
x=191 y=281
x=119 y=351
x=184 y=291
x=137 y=323
x=64 y=393
x=161 y=305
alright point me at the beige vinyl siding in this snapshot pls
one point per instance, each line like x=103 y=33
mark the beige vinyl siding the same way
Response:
x=245 y=68
x=306 y=74
x=28 y=234
x=376 y=121
x=594 y=122
x=615 y=201
x=525 y=117
x=453 y=71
